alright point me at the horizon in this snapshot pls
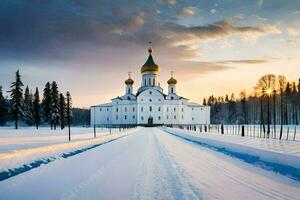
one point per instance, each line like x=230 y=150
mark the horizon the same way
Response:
x=213 y=48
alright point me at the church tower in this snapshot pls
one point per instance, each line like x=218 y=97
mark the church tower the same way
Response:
x=150 y=71
x=129 y=82
x=172 y=84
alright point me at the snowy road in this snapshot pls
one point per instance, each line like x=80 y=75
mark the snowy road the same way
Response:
x=149 y=164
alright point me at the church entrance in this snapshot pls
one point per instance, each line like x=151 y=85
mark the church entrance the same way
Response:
x=150 y=121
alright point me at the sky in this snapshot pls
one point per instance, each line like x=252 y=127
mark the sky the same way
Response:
x=89 y=46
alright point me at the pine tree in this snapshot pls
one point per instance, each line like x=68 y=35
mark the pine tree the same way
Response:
x=16 y=94
x=69 y=112
x=62 y=110
x=36 y=108
x=46 y=103
x=204 y=102
x=54 y=108
x=3 y=108
x=28 y=108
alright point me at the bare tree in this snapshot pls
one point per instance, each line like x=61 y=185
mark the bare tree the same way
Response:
x=281 y=87
x=266 y=84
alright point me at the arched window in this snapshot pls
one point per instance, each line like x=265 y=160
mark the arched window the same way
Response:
x=172 y=98
x=128 y=90
x=150 y=108
x=145 y=82
x=149 y=81
x=125 y=109
x=159 y=109
x=142 y=109
x=172 y=90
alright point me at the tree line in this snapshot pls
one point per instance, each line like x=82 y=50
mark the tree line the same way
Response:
x=274 y=101
x=54 y=108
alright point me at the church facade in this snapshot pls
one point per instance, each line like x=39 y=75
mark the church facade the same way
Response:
x=150 y=106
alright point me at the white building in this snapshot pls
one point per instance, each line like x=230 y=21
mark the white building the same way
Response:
x=149 y=105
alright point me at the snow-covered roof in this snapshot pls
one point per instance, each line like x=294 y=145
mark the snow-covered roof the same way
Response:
x=103 y=105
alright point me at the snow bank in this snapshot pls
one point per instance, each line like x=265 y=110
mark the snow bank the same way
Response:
x=21 y=158
x=281 y=156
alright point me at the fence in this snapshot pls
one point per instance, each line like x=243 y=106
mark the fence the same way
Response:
x=286 y=132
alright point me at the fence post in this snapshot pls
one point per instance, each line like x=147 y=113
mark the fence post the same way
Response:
x=222 y=129
x=243 y=130
x=294 y=134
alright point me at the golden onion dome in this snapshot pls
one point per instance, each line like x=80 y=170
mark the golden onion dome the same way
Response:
x=150 y=65
x=172 y=81
x=129 y=81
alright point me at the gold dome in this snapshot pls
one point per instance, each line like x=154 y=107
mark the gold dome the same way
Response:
x=172 y=81
x=150 y=65
x=129 y=81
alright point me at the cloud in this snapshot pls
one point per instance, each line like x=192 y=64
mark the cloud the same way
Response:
x=292 y=31
x=260 y=3
x=213 y=11
x=242 y=61
x=187 y=11
x=169 y=2
x=221 y=29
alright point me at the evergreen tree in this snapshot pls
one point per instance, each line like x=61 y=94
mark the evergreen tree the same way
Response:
x=16 y=94
x=54 y=108
x=36 y=109
x=28 y=108
x=204 y=102
x=3 y=108
x=69 y=112
x=62 y=110
x=46 y=103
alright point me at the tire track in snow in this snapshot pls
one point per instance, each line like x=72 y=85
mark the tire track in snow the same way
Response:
x=159 y=177
x=217 y=172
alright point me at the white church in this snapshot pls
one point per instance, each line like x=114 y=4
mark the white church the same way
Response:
x=150 y=106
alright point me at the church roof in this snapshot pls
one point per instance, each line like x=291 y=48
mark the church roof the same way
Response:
x=172 y=81
x=150 y=65
x=129 y=81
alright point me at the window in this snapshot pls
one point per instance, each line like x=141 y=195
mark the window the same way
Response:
x=150 y=100
x=154 y=82
x=181 y=109
x=129 y=90
x=145 y=83
x=125 y=109
x=181 y=116
x=201 y=108
x=100 y=109
x=192 y=108
x=117 y=117
x=117 y=110
x=150 y=108
x=142 y=118
x=142 y=109
x=149 y=81
x=172 y=90
x=193 y=118
x=133 y=109
x=174 y=116
x=167 y=109
x=107 y=119
x=142 y=99
x=125 y=117
x=174 y=109
x=150 y=92
x=107 y=109
x=172 y=98
x=159 y=109
x=158 y=117
x=128 y=98
x=167 y=116
x=133 y=117
x=159 y=99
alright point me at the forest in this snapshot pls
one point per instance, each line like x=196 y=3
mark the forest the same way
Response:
x=274 y=101
x=25 y=108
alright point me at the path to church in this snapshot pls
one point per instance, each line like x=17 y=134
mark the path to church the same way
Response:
x=148 y=164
